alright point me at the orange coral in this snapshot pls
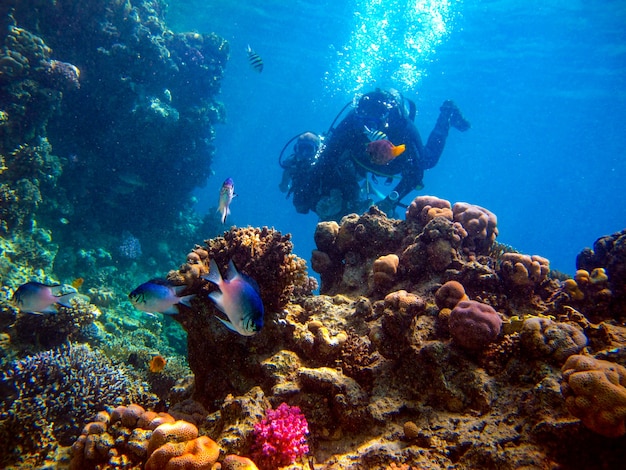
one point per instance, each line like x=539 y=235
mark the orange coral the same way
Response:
x=450 y=294
x=595 y=392
x=168 y=432
x=385 y=269
x=235 y=462
x=197 y=454
x=426 y=208
x=405 y=302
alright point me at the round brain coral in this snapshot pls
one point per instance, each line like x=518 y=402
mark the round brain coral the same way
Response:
x=473 y=325
x=595 y=392
x=168 y=432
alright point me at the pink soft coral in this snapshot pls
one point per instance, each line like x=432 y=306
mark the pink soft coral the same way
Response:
x=280 y=438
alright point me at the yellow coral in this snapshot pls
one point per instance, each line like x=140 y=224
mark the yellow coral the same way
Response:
x=598 y=276
x=571 y=287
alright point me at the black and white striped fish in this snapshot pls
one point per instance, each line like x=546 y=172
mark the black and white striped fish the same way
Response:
x=255 y=60
x=373 y=134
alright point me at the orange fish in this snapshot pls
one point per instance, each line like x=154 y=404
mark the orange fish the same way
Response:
x=383 y=151
x=76 y=283
x=157 y=364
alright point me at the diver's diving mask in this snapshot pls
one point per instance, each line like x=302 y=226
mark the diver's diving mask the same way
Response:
x=305 y=149
x=373 y=110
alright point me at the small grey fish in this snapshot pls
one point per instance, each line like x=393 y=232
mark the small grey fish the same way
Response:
x=159 y=295
x=238 y=298
x=35 y=297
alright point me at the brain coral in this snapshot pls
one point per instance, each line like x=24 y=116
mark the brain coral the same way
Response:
x=542 y=337
x=197 y=453
x=595 y=392
x=473 y=325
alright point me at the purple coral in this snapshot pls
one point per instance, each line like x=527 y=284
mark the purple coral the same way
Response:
x=473 y=325
x=280 y=438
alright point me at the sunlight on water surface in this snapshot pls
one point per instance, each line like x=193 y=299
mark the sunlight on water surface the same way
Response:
x=391 y=43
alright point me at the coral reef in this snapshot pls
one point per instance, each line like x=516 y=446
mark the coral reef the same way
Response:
x=607 y=258
x=543 y=337
x=263 y=254
x=48 y=396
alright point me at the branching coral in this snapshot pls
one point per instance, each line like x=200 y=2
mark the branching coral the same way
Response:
x=280 y=438
x=57 y=391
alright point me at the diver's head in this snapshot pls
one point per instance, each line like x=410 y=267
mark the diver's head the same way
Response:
x=374 y=107
x=306 y=146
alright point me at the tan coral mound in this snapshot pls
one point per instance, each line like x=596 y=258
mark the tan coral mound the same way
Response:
x=196 y=454
x=595 y=392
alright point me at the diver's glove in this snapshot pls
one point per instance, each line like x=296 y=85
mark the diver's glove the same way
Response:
x=451 y=111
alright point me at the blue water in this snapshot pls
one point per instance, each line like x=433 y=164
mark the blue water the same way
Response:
x=543 y=84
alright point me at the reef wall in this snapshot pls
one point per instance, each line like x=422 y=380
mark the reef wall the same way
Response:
x=106 y=121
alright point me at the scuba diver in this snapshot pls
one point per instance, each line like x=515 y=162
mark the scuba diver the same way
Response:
x=297 y=167
x=378 y=138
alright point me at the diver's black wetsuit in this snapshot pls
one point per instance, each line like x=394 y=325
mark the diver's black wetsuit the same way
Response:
x=344 y=162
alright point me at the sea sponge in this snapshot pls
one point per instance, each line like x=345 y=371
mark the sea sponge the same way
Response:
x=385 y=269
x=595 y=392
x=450 y=294
x=523 y=270
x=168 y=432
x=543 y=337
x=473 y=325
x=423 y=209
x=198 y=453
